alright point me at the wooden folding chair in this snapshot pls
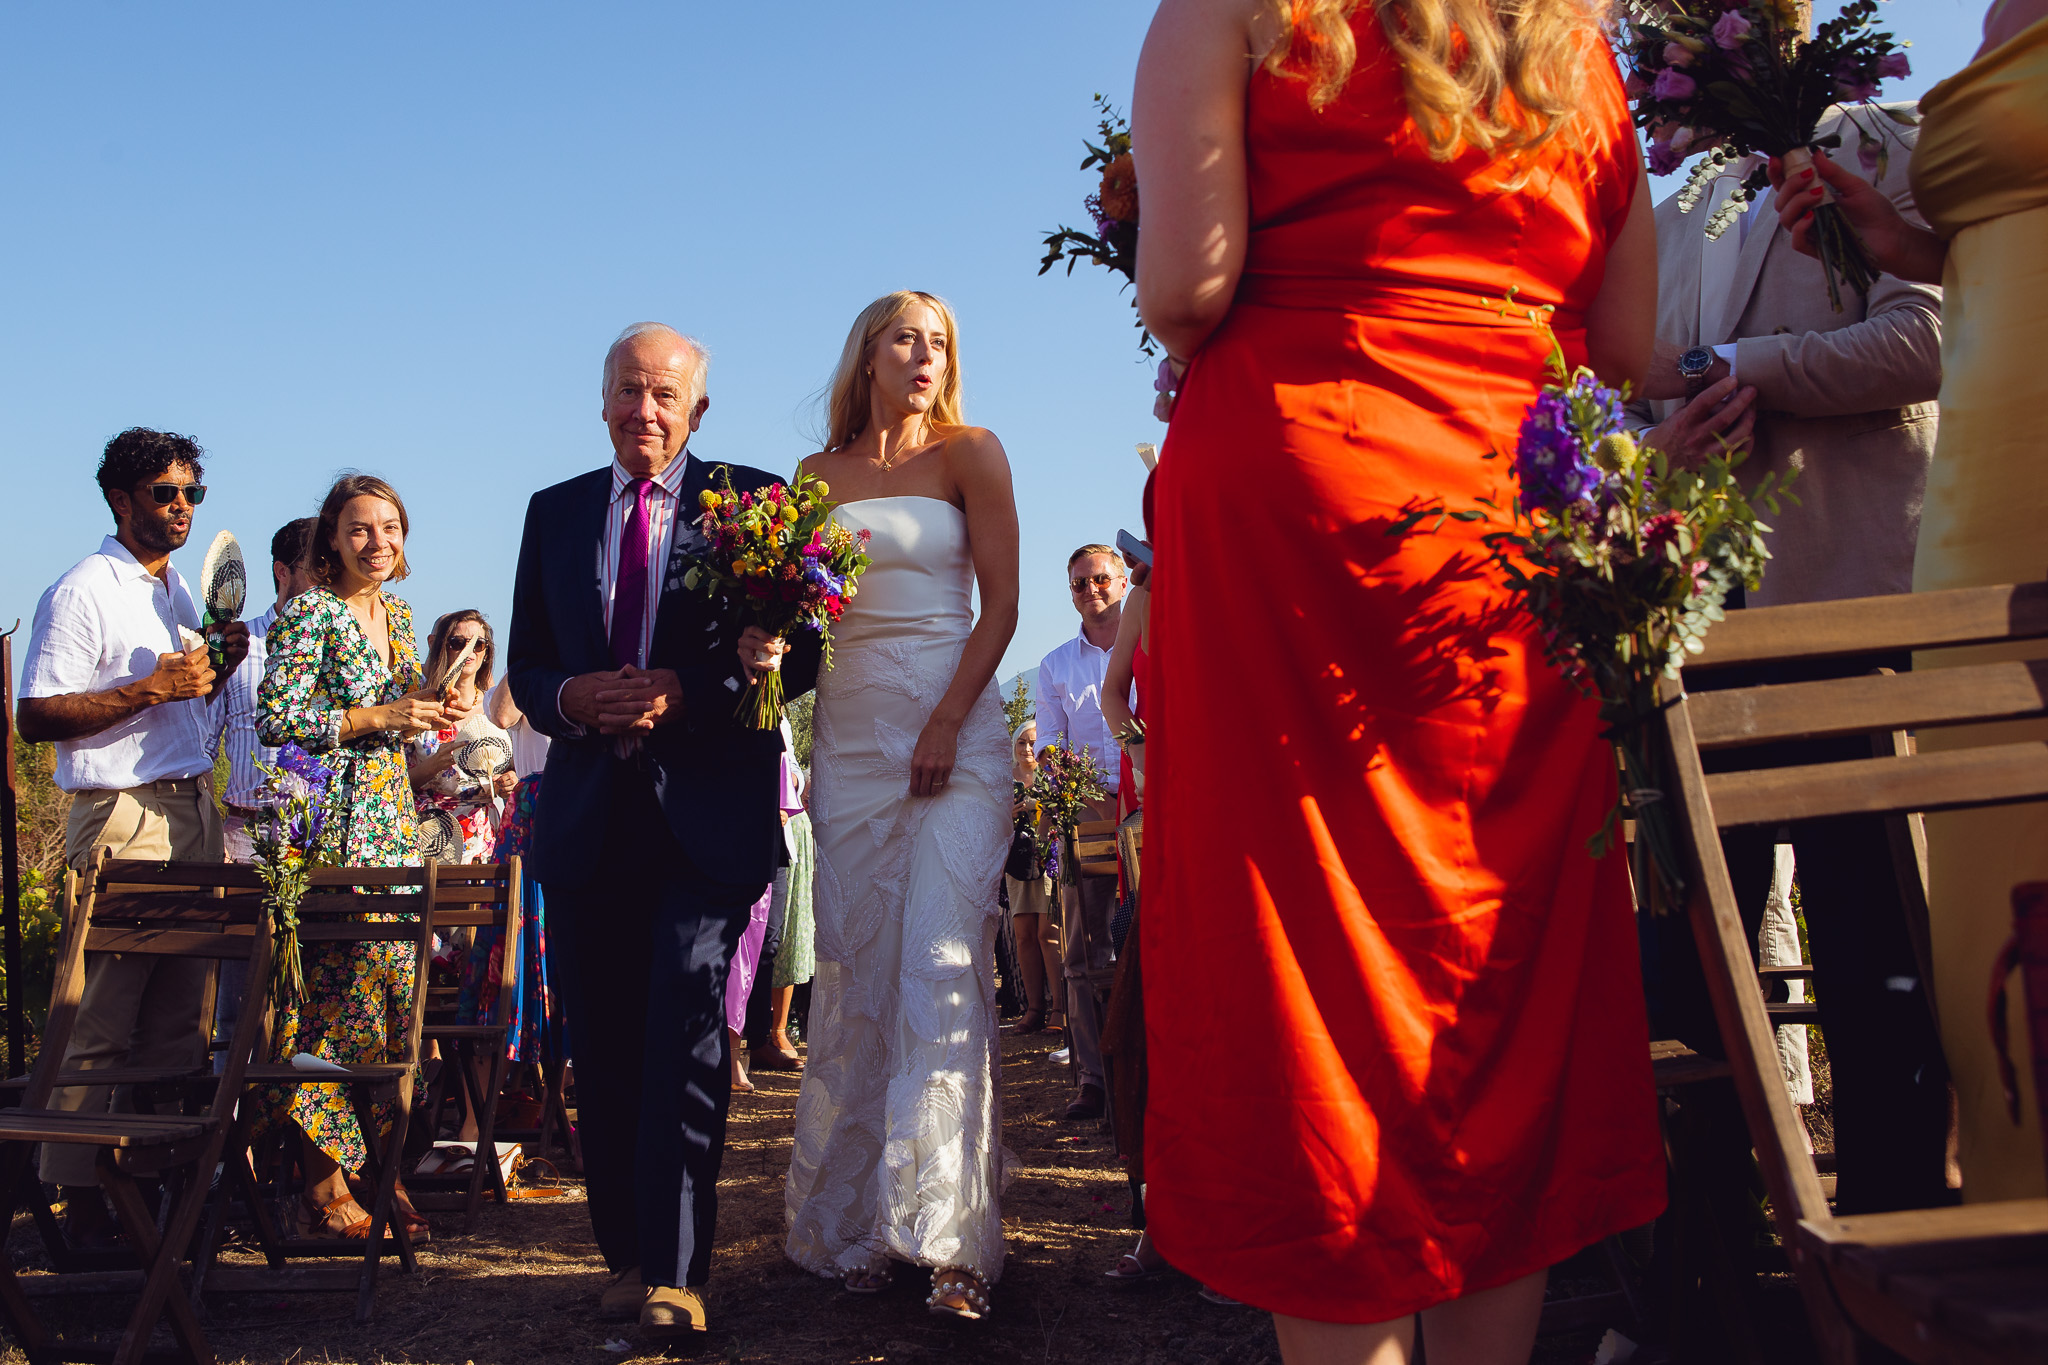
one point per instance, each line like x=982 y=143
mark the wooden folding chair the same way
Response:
x=469 y=897
x=159 y=910
x=332 y=913
x=1946 y=1284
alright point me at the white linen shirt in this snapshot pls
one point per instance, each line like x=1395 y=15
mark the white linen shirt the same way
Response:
x=245 y=750
x=101 y=626
x=1070 y=705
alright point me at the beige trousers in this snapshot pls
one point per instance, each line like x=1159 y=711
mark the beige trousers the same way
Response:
x=137 y=1011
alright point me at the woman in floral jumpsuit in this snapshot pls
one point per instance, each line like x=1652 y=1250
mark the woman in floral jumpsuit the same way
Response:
x=342 y=684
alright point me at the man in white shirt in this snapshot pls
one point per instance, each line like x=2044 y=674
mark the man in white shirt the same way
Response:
x=135 y=715
x=1070 y=713
x=245 y=750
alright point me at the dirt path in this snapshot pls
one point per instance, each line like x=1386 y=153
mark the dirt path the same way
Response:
x=523 y=1289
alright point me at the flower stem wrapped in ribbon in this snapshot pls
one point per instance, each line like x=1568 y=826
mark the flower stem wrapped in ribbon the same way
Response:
x=287 y=847
x=1742 y=79
x=1624 y=559
x=1067 y=781
x=776 y=555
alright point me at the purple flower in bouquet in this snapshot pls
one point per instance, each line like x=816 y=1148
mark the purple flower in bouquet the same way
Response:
x=1673 y=84
x=1730 y=29
x=1549 y=461
x=1853 y=83
x=1665 y=158
x=296 y=761
x=1893 y=66
x=1677 y=54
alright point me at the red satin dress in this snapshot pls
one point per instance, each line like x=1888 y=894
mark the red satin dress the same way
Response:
x=1396 y=1029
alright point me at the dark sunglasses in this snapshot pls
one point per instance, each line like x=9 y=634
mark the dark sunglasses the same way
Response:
x=1100 y=580
x=167 y=493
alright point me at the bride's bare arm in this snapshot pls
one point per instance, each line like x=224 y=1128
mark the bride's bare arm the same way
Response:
x=981 y=472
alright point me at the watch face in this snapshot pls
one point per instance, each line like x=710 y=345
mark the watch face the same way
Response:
x=1697 y=361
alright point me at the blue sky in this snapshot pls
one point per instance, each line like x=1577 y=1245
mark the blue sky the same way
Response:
x=398 y=238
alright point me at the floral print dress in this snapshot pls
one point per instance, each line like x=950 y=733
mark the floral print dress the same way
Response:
x=359 y=996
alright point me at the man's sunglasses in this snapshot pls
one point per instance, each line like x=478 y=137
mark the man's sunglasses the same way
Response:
x=1100 y=580
x=167 y=493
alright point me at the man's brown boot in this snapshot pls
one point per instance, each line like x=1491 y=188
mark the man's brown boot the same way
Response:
x=622 y=1297
x=669 y=1314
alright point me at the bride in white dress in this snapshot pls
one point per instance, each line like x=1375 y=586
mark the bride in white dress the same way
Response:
x=899 y=1154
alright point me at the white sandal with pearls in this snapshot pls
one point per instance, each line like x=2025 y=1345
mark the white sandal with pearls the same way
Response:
x=957 y=1280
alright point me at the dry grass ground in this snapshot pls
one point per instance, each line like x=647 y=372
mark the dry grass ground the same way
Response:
x=523 y=1289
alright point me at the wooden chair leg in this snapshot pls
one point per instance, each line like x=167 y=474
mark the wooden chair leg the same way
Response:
x=15 y=1170
x=160 y=1296
x=486 y=1142
x=384 y=1166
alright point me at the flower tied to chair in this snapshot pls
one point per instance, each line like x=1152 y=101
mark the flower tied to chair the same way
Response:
x=286 y=844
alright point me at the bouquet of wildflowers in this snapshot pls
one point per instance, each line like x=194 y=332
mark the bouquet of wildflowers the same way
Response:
x=1742 y=78
x=287 y=842
x=1624 y=559
x=1066 y=781
x=777 y=554
x=1114 y=208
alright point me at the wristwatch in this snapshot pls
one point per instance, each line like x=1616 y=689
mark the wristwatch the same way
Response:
x=1693 y=367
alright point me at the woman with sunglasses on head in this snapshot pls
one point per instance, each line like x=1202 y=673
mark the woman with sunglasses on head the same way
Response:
x=344 y=684
x=466 y=785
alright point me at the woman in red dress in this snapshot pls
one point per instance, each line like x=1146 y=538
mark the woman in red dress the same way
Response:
x=1402 y=1063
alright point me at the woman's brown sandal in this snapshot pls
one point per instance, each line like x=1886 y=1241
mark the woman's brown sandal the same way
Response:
x=957 y=1282
x=318 y=1220
x=1033 y=1020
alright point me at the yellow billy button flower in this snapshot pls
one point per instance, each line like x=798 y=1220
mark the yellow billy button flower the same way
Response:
x=1614 y=451
x=789 y=514
x=822 y=489
x=707 y=500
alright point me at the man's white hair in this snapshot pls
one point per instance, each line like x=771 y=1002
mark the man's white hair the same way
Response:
x=700 y=360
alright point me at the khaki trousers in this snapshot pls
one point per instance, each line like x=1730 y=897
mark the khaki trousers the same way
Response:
x=137 y=1011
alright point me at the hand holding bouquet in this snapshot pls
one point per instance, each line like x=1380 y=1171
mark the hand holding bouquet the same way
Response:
x=1742 y=78
x=1067 y=782
x=287 y=843
x=776 y=554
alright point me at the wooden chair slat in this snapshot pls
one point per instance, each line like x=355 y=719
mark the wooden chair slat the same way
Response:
x=1966 y=1233
x=121 y=1075
x=358 y=931
x=467 y=919
x=1095 y=829
x=347 y=903
x=369 y=876
x=103 y=1130
x=145 y=872
x=481 y=894
x=169 y=942
x=1956 y=779
x=1874 y=625
x=191 y=906
x=1849 y=706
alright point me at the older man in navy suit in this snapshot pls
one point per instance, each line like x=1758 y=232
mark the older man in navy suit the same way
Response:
x=656 y=826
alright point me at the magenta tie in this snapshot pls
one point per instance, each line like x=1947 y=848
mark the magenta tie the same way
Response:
x=629 y=595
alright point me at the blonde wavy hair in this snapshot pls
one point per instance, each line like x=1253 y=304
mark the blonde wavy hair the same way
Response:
x=852 y=390
x=1501 y=76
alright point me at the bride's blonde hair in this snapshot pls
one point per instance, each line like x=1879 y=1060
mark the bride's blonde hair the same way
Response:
x=1501 y=76
x=852 y=390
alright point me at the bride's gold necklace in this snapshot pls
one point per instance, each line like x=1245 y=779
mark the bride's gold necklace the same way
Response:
x=885 y=461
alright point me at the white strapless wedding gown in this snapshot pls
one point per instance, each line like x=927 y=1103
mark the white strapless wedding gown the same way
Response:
x=898 y=1149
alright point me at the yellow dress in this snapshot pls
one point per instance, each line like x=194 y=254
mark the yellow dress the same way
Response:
x=1980 y=175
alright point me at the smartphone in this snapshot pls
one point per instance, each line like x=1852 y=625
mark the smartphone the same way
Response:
x=1131 y=547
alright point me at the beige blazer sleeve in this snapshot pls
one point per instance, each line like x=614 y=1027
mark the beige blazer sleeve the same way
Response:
x=1890 y=359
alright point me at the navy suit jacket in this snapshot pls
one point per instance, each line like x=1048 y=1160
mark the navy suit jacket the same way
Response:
x=717 y=781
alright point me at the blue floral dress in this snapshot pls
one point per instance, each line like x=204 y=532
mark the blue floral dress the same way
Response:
x=359 y=996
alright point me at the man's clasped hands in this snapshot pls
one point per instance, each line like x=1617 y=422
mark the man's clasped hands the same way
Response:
x=633 y=700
